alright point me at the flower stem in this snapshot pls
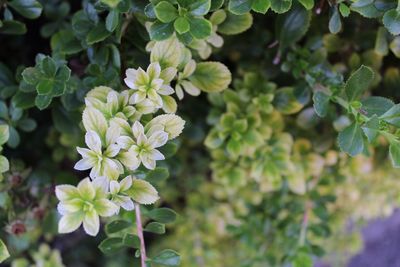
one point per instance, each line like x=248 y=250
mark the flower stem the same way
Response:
x=140 y=235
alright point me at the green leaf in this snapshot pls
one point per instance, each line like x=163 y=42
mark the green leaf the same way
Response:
x=168 y=150
x=392 y=116
x=376 y=105
x=240 y=7
x=211 y=77
x=200 y=28
x=4 y=166
x=13 y=27
x=48 y=67
x=321 y=103
x=4 y=134
x=182 y=25
x=43 y=101
x=335 y=23
x=4 y=254
x=286 y=101
x=143 y=192
x=24 y=100
x=30 y=9
x=350 y=140
x=27 y=125
x=131 y=241
x=235 y=24
x=308 y=4
x=162 y=215
x=199 y=7
x=391 y=20
x=14 y=139
x=358 y=82
x=157 y=175
x=161 y=31
x=111 y=245
x=116 y=226
x=302 y=259
x=97 y=34
x=394 y=152
x=112 y=20
x=371 y=128
x=281 y=6
x=165 y=12
x=111 y=3
x=155 y=227
x=167 y=257
x=261 y=6
x=292 y=26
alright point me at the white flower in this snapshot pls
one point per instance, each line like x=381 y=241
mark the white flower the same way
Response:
x=143 y=148
x=118 y=195
x=98 y=160
x=151 y=85
x=84 y=203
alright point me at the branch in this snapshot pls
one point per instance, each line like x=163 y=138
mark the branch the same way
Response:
x=140 y=235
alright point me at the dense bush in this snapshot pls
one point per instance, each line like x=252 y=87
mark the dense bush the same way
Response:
x=250 y=132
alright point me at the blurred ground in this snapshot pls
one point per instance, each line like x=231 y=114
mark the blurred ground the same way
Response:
x=381 y=244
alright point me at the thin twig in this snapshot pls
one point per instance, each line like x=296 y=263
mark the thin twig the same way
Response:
x=139 y=228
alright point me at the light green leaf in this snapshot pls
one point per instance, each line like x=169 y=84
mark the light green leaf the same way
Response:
x=371 y=128
x=344 y=10
x=166 y=12
x=182 y=25
x=94 y=120
x=200 y=28
x=30 y=9
x=335 y=23
x=308 y=4
x=235 y=24
x=4 y=134
x=167 y=257
x=168 y=53
x=4 y=166
x=261 y=6
x=143 y=192
x=391 y=20
x=358 y=82
x=162 y=215
x=392 y=116
x=281 y=6
x=155 y=227
x=292 y=26
x=211 y=77
x=321 y=103
x=394 y=152
x=4 y=254
x=350 y=140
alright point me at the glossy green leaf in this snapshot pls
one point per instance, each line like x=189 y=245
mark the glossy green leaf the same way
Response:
x=167 y=257
x=30 y=9
x=359 y=82
x=162 y=215
x=281 y=6
x=155 y=228
x=391 y=20
x=112 y=20
x=240 y=7
x=161 y=31
x=261 y=6
x=376 y=105
x=392 y=116
x=350 y=140
x=131 y=241
x=97 y=34
x=111 y=245
x=116 y=226
x=335 y=23
x=199 y=7
x=165 y=12
x=321 y=103
x=13 y=27
x=181 y=25
x=200 y=28
x=235 y=24
x=371 y=128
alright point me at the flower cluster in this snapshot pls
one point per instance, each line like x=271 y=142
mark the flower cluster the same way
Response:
x=118 y=143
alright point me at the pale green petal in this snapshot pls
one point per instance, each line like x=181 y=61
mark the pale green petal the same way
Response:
x=70 y=206
x=137 y=129
x=124 y=126
x=189 y=68
x=158 y=139
x=112 y=102
x=130 y=78
x=105 y=207
x=85 y=164
x=143 y=192
x=137 y=97
x=84 y=152
x=169 y=104
x=86 y=189
x=168 y=74
x=114 y=187
x=125 y=142
x=126 y=183
x=70 y=222
x=126 y=203
x=4 y=164
x=190 y=88
x=112 y=150
x=173 y=124
x=156 y=155
x=94 y=120
x=100 y=185
x=66 y=192
x=148 y=161
x=91 y=223
x=113 y=132
x=166 y=90
x=129 y=159
x=142 y=78
x=4 y=133
x=93 y=141
x=154 y=70
x=110 y=169
x=179 y=92
x=146 y=107
x=100 y=93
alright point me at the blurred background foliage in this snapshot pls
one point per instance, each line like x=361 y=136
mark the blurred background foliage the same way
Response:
x=258 y=179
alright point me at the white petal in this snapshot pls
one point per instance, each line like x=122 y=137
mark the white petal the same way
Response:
x=84 y=152
x=86 y=189
x=70 y=222
x=168 y=74
x=100 y=185
x=114 y=187
x=112 y=150
x=166 y=90
x=66 y=192
x=91 y=223
x=190 y=88
x=105 y=207
x=84 y=164
x=137 y=129
x=158 y=139
x=137 y=97
x=125 y=142
x=154 y=70
x=93 y=141
x=126 y=183
x=129 y=159
x=189 y=68
x=113 y=133
x=127 y=203
x=110 y=170
x=157 y=155
x=148 y=161
x=130 y=78
x=179 y=92
x=69 y=206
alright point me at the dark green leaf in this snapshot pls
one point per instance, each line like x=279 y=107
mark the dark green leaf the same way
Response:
x=261 y=6
x=97 y=34
x=321 y=103
x=131 y=241
x=43 y=101
x=13 y=27
x=200 y=28
x=167 y=257
x=30 y=9
x=358 y=82
x=112 y=20
x=111 y=245
x=281 y=6
x=161 y=31
x=391 y=20
x=157 y=175
x=116 y=226
x=376 y=105
x=155 y=227
x=162 y=215
x=350 y=140
x=240 y=7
